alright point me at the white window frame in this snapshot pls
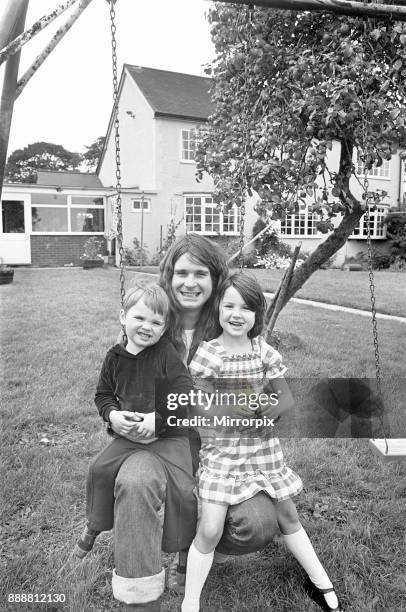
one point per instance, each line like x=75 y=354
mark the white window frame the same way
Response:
x=147 y=205
x=291 y=221
x=211 y=206
x=378 y=231
x=187 y=159
x=376 y=172
x=68 y=207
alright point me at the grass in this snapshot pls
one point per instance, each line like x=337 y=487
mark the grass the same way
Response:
x=57 y=326
x=346 y=288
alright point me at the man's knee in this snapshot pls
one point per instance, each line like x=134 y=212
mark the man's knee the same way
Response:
x=140 y=473
x=249 y=526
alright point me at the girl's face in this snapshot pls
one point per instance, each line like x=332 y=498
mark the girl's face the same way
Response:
x=236 y=319
x=191 y=283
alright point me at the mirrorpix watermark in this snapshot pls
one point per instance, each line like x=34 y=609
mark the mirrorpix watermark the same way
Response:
x=203 y=401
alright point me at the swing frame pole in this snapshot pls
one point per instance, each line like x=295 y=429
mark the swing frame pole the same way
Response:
x=340 y=7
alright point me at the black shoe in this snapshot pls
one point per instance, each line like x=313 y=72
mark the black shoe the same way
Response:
x=317 y=595
x=85 y=543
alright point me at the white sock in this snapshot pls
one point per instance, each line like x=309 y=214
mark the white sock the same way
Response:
x=302 y=549
x=197 y=570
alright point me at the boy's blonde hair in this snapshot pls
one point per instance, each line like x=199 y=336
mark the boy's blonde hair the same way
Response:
x=153 y=296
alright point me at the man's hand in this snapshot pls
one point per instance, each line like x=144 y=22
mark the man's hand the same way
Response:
x=123 y=421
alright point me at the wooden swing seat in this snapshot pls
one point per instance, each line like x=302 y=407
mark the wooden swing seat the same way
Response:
x=396 y=450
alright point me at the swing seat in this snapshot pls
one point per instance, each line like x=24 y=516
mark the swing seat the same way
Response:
x=396 y=450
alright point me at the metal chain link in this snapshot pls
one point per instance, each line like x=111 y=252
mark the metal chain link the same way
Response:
x=246 y=136
x=117 y=149
x=366 y=197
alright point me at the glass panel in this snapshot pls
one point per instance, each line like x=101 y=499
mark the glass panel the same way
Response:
x=12 y=213
x=49 y=219
x=87 y=201
x=49 y=198
x=87 y=220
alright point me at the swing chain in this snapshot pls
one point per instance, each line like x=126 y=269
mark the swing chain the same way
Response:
x=117 y=149
x=246 y=136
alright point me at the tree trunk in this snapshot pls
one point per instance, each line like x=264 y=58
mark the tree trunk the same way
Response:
x=338 y=236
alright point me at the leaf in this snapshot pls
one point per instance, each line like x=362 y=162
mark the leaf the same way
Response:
x=397 y=65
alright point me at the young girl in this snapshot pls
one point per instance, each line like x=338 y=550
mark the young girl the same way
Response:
x=233 y=469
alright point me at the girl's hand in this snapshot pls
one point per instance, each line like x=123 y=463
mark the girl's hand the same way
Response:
x=123 y=421
x=146 y=426
x=282 y=399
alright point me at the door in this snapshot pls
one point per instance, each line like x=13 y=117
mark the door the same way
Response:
x=14 y=239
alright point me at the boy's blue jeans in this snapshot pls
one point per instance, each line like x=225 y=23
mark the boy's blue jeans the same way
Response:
x=139 y=508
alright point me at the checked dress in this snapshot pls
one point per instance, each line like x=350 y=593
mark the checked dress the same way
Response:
x=235 y=464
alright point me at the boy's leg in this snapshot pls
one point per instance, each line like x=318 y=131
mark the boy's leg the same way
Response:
x=140 y=489
x=100 y=484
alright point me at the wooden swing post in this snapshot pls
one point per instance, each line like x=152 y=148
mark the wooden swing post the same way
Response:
x=340 y=7
x=12 y=25
x=278 y=299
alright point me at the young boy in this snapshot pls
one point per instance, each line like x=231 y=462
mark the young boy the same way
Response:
x=131 y=398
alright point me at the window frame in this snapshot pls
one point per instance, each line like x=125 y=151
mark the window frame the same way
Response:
x=68 y=208
x=293 y=217
x=375 y=216
x=182 y=150
x=386 y=165
x=211 y=205
x=139 y=210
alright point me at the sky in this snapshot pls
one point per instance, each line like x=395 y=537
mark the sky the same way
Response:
x=69 y=100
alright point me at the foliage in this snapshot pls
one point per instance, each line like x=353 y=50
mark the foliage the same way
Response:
x=91 y=157
x=93 y=248
x=380 y=261
x=396 y=231
x=283 y=89
x=269 y=241
x=22 y=164
x=136 y=256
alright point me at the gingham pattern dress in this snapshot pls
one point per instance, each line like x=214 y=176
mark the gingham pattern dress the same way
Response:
x=234 y=468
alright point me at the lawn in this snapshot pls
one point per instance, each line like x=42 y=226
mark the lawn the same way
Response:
x=57 y=326
x=347 y=288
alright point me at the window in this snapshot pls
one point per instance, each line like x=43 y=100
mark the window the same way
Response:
x=67 y=214
x=299 y=224
x=139 y=205
x=377 y=229
x=188 y=145
x=12 y=217
x=204 y=216
x=376 y=171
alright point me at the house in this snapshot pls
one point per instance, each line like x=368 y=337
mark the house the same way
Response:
x=47 y=223
x=159 y=112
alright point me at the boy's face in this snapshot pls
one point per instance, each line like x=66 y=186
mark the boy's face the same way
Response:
x=143 y=327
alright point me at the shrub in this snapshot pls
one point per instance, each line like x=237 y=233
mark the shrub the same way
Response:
x=380 y=261
x=396 y=231
x=136 y=256
x=269 y=242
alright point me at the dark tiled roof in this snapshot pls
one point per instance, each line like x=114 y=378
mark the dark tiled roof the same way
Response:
x=173 y=94
x=68 y=179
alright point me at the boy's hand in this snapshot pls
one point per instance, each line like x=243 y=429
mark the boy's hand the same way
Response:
x=123 y=421
x=146 y=426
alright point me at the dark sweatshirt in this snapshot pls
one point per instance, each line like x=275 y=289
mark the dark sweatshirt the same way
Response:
x=140 y=383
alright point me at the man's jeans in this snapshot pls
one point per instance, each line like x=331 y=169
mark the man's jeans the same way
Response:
x=139 y=506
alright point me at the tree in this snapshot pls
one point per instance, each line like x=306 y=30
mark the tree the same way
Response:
x=93 y=153
x=284 y=88
x=22 y=164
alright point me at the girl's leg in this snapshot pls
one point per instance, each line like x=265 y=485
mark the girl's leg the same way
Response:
x=201 y=552
x=299 y=544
